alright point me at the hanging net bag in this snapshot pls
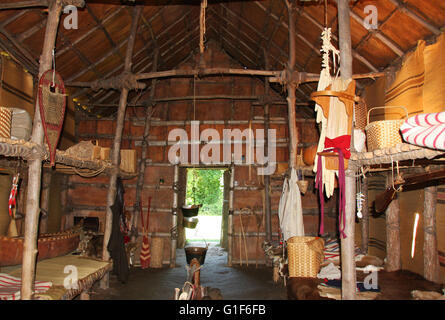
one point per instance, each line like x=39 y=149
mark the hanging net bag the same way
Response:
x=52 y=105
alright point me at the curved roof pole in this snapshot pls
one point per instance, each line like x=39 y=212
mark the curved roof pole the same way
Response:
x=349 y=276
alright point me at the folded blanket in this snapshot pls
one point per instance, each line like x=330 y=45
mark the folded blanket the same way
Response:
x=10 y=287
x=425 y=130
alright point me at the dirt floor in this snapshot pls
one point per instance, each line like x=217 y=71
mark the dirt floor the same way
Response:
x=245 y=283
x=235 y=283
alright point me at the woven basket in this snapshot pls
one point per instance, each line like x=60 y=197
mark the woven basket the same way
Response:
x=157 y=252
x=385 y=133
x=305 y=255
x=5 y=122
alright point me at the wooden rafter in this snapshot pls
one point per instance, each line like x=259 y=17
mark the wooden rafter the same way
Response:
x=104 y=31
x=405 y=9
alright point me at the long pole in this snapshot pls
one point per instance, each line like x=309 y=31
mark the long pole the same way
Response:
x=431 y=267
x=349 y=276
x=115 y=155
x=291 y=87
x=35 y=166
x=142 y=165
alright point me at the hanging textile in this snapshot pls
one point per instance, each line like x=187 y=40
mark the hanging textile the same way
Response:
x=116 y=245
x=290 y=210
x=52 y=105
x=337 y=124
x=145 y=249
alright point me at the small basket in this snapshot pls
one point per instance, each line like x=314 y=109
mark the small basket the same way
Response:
x=5 y=122
x=385 y=133
x=305 y=255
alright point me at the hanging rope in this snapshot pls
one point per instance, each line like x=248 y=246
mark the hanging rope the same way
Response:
x=202 y=25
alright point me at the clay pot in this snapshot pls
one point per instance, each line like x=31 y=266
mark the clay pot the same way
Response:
x=309 y=155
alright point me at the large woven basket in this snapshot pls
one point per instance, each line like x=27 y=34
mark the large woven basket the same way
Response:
x=305 y=255
x=157 y=252
x=5 y=122
x=385 y=133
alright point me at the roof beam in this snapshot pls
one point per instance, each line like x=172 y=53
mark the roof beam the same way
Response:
x=379 y=35
x=403 y=7
x=93 y=29
x=105 y=32
x=355 y=54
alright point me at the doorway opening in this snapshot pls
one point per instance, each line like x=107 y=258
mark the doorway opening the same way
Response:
x=205 y=187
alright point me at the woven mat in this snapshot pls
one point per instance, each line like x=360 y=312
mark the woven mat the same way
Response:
x=88 y=271
x=407 y=88
x=433 y=92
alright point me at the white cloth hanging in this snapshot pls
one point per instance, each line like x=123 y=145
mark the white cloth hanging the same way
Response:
x=290 y=210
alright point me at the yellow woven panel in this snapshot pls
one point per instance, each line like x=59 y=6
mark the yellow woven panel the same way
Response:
x=5 y=122
x=433 y=91
x=407 y=88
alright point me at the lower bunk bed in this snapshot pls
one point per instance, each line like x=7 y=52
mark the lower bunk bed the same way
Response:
x=56 y=278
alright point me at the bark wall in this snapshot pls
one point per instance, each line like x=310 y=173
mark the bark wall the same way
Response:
x=87 y=197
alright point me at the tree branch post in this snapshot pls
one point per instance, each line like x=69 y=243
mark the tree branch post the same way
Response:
x=115 y=154
x=349 y=276
x=35 y=166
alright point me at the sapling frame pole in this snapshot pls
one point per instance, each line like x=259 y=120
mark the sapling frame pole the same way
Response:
x=142 y=164
x=348 y=272
x=291 y=87
x=392 y=214
x=175 y=208
x=230 y=218
x=35 y=166
x=115 y=154
x=431 y=266
x=267 y=209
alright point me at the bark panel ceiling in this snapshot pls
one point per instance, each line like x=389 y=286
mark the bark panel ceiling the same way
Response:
x=243 y=29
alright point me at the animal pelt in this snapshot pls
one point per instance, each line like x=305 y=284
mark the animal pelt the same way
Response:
x=363 y=261
x=211 y=294
x=299 y=288
x=427 y=295
x=90 y=244
x=131 y=248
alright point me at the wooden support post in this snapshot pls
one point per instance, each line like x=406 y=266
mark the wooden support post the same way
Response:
x=365 y=219
x=141 y=176
x=35 y=165
x=64 y=203
x=393 y=258
x=267 y=210
x=174 y=229
x=46 y=184
x=230 y=219
x=349 y=276
x=431 y=266
x=291 y=87
x=115 y=154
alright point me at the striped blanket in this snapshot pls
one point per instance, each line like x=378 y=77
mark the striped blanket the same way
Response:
x=332 y=250
x=425 y=130
x=10 y=287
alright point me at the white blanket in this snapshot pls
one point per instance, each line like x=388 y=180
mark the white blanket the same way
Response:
x=425 y=130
